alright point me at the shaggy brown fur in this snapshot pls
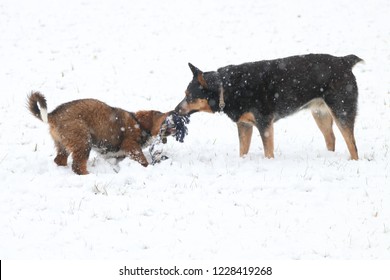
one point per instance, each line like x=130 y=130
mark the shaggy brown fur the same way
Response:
x=81 y=125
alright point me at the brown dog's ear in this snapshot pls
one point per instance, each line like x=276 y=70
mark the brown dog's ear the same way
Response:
x=198 y=74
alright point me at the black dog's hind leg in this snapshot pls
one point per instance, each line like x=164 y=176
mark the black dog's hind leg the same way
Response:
x=343 y=107
x=324 y=121
x=347 y=130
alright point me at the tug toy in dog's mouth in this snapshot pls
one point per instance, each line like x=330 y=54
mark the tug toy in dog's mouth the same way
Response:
x=174 y=125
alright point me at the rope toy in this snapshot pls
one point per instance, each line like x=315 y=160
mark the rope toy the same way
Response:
x=174 y=125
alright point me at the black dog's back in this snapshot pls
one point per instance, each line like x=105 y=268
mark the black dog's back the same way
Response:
x=270 y=83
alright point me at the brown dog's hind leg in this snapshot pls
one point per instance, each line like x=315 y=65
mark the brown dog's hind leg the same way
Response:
x=77 y=140
x=324 y=122
x=80 y=159
x=62 y=155
x=245 y=136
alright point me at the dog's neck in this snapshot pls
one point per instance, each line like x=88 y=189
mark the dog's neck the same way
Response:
x=216 y=84
x=146 y=132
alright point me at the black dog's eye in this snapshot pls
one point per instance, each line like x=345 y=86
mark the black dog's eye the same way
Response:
x=189 y=99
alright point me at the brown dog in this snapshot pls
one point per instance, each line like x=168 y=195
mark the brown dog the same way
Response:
x=81 y=125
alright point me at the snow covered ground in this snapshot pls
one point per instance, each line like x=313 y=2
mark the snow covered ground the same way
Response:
x=204 y=202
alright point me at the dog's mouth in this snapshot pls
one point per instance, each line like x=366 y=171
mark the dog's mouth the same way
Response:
x=185 y=113
x=167 y=130
x=186 y=108
x=190 y=113
x=170 y=131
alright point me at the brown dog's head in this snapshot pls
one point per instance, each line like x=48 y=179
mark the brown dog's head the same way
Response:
x=202 y=94
x=151 y=120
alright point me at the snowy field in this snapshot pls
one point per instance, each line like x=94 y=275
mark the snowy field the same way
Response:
x=204 y=202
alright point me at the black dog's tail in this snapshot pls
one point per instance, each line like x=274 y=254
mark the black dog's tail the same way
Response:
x=352 y=59
x=33 y=100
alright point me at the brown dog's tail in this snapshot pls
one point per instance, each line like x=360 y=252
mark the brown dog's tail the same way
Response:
x=352 y=59
x=35 y=99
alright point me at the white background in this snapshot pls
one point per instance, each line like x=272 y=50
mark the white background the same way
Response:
x=204 y=202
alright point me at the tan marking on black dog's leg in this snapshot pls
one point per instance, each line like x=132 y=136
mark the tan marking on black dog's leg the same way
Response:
x=267 y=136
x=349 y=138
x=245 y=128
x=247 y=118
x=324 y=122
x=245 y=136
x=345 y=121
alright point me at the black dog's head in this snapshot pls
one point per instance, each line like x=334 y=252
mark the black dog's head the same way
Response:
x=202 y=94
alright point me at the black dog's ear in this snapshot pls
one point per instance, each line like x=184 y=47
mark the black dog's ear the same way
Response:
x=198 y=74
x=194 y=70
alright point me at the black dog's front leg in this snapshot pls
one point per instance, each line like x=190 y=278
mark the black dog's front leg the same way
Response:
x=245 y=136
x=265 y=125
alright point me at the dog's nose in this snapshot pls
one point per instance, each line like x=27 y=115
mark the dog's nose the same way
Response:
x=179 y=108
x=180 y=112
x=183 y=108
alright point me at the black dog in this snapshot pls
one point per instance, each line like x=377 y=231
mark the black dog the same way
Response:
x=260 y=93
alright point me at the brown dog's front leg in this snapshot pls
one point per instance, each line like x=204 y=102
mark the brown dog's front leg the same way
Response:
x=131 y=148
x=139 y=156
